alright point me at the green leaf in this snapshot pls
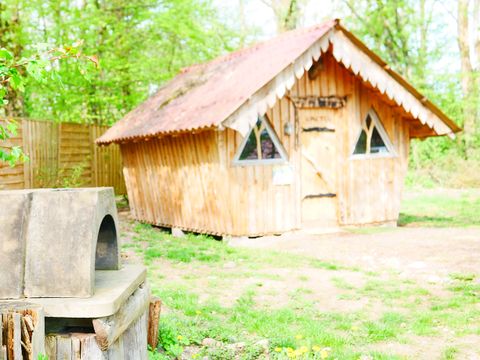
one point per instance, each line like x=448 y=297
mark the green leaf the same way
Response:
x=34 y=69
x=5 y=54
x=12 y=128
x=16 y=81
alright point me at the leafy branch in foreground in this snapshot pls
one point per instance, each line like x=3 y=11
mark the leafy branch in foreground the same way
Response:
x=13 y=74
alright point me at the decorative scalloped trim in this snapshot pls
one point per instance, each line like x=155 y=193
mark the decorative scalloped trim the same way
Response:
x=350 y=56
x=258 y=104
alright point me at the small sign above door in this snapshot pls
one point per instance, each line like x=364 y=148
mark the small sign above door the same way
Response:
x=330 y=102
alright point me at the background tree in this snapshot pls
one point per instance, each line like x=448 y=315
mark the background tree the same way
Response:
x=410 y=35
x=142 y=43
x=468 y=12
x=139 y=43
x=13 y=75
x=287 y=13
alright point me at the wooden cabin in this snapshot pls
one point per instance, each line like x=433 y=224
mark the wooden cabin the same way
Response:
x=308 y=130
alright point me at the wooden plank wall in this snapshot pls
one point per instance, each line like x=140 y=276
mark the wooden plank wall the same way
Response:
x=189 y=181
x=257 y=205
x=41 y=144
x=75 y=155
x=12 y=177
x=62 y=155
x=368 y=190
x=173 y=181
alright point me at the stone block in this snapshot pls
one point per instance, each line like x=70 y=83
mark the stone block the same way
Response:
x=177 y=232
x=61 y=241
x=14 y=209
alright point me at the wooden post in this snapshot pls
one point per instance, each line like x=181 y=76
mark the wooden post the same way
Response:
x=64 y=347
x=51 y=346
x=153 y=320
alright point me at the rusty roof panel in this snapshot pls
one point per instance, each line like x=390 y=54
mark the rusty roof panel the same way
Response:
x=202 y=96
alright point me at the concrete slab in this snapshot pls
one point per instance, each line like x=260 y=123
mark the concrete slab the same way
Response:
x=61 y=241
x=112 y=288
x=14 y=209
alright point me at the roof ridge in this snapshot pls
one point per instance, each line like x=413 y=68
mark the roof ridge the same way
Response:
x=256 y=46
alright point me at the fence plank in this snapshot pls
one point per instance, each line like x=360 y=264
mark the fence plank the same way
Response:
x=62 y=155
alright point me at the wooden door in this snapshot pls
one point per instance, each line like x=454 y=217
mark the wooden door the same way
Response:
x=318 y=169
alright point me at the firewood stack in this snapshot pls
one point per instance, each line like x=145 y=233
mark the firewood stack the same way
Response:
x=21 y=331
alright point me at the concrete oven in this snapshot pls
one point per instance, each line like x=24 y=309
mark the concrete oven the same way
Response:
x=63 y=290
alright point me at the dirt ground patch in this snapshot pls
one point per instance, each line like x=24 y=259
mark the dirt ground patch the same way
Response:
x=428 y=254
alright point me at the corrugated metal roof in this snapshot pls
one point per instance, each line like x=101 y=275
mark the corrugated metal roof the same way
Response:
x=203 y=96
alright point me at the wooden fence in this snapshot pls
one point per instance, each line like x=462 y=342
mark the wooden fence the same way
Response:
x=62 y=155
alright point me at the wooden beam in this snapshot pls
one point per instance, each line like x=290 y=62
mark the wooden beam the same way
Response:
x=109 y=329
x=315 y=70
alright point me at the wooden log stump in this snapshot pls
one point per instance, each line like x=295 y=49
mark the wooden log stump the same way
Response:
x=153 y=322
x=22 y=331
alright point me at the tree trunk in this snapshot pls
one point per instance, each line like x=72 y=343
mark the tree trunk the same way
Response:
x=286 y=12
x=422 y=50
x=243 y=22
x=290 y=21
x=476 y=30
x=467 y=77
x=476 y=34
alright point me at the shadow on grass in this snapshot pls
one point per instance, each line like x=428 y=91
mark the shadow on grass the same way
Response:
x=420 y=220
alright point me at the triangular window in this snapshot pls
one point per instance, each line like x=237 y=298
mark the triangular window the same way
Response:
x=261 y=145
x=373 y=139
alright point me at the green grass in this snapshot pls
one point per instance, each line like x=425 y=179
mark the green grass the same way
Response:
x=204 y=249
x=434 y=209
x=207 y=300
x=449 y=353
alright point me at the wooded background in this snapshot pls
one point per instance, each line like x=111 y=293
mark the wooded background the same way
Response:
x=141 y=44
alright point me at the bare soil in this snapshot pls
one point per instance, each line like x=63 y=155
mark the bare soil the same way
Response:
x=429 y=254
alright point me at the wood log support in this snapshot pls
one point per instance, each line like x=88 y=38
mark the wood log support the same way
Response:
x=109 y=329
x=153 y=321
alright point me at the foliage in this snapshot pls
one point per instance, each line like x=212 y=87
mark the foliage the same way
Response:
x=412 y=36
x=12 y=154
x=453 y=208
x=139 y=44
x=393 y=28
x=14 y=73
